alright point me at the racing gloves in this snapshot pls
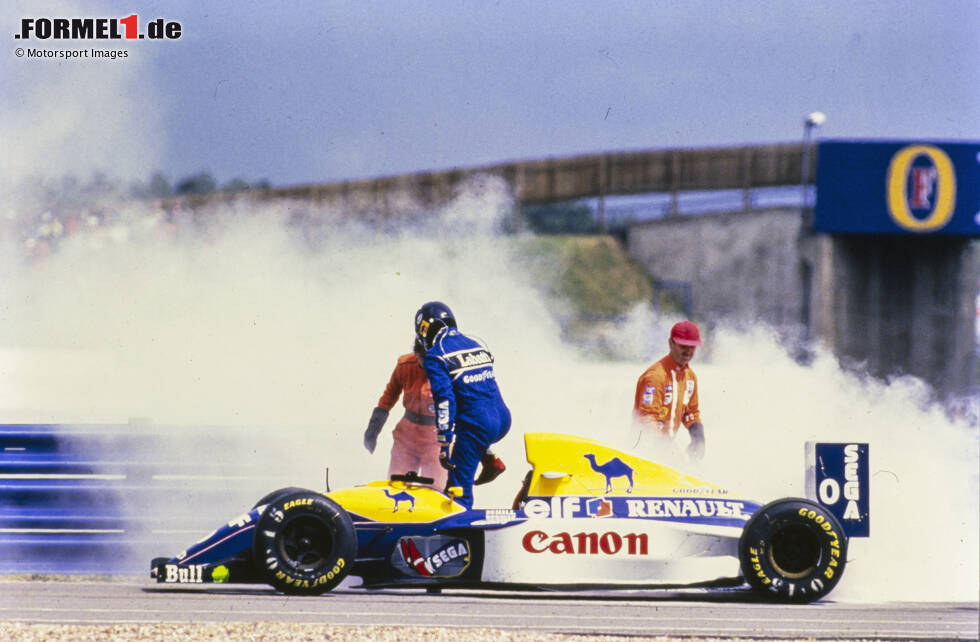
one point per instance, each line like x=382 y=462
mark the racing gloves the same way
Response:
x=378 y=418
x=444 y=433
x=445 y=439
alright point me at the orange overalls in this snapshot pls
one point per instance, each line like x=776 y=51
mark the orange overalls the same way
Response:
x=415 y=446
x=667 y=397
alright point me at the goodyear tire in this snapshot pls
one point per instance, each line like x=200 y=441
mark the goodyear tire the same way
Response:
x=304 y=543
x=793 y=550
x=276 y=494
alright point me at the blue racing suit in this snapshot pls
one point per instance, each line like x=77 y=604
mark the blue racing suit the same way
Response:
x=467 y=402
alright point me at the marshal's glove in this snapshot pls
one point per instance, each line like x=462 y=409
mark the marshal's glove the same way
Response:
x=378 y=418
x=696 y=449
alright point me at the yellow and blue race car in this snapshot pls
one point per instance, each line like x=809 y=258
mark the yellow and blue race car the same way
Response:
x=586 y=516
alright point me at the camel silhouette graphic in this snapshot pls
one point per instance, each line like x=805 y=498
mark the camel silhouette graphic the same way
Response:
x=612 y=469
x=403 y=496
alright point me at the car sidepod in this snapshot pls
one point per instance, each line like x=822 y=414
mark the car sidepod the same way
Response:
x=593 y=515
x=581 y=548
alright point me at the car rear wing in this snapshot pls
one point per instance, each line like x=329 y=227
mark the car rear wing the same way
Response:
x=837 y=477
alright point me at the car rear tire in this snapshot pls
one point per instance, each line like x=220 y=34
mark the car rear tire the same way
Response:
x=793 y=550
x=304 y=543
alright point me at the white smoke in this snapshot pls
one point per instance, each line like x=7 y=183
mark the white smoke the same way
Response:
x=79 y=115
x=252 y=329
x=762 y=407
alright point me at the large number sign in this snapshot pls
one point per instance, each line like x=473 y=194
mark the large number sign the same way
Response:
x=898 y=188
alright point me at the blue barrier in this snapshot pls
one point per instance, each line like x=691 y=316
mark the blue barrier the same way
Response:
x=94 y=499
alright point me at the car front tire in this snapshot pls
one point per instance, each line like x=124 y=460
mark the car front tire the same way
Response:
x=304 y=543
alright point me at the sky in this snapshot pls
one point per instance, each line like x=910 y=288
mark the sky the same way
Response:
x=313 y=92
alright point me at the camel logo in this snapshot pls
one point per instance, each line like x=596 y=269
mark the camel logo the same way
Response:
x=403 y=496
x=921 y=188
x=612 y=469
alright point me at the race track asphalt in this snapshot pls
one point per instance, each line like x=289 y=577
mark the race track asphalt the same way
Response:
x=640 y=613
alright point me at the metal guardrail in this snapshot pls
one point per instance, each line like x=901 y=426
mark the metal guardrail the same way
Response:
x=553 y=179
x=93 y=499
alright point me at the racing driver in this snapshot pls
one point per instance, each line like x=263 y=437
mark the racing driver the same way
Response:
x=470 y=412
x=415 y=446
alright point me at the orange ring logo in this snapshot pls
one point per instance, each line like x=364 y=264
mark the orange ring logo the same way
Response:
x=940 y=179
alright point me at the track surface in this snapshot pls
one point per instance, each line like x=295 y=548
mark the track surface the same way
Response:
x=621 y=613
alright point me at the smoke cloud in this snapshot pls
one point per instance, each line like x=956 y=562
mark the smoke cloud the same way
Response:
x=247 y=326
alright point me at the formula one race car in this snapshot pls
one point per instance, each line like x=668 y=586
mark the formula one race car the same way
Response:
x=587 y=516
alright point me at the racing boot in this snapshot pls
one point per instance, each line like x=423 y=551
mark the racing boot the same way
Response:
x=491 y=468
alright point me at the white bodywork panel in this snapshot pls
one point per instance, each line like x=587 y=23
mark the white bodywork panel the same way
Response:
x=609 y=551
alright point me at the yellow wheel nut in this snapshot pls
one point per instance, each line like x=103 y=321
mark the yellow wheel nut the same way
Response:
x=220 y=574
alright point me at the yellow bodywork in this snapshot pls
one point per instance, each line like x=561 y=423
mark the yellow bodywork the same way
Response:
x=561 y=467
x=395 y=501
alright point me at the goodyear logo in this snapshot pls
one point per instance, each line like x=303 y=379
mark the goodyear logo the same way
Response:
x=921 y=188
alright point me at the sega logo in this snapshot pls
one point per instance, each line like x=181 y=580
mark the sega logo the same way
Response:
x=843 y=485
x=830 y=489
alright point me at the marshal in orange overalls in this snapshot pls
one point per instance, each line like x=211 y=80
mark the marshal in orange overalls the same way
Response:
x=415 y=446
x=667 y=397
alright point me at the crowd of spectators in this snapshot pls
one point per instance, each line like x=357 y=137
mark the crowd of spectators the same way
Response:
x=41 y=216
x=39 y=233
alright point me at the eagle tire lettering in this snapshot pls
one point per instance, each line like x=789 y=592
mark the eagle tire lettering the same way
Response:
x=276 y=494
x=793 y=550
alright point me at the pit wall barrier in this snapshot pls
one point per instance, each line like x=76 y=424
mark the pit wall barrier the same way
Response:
x=103 y=499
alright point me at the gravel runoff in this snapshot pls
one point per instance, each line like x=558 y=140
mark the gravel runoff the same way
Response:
x=275 y=631
x=17 y=631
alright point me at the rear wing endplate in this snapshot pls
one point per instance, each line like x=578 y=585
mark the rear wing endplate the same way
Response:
x=837 y=477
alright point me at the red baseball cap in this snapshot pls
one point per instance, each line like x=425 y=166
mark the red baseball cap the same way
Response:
x=686 y=334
